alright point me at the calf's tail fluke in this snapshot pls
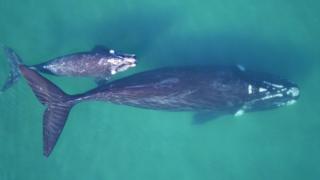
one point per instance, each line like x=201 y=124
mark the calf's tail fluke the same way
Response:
x=58 y=105
x=14 y=61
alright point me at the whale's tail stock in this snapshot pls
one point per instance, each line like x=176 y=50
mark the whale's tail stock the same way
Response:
x=58 y=105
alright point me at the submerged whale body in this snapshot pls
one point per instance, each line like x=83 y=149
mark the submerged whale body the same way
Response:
x=99 y=63
x=207 y=91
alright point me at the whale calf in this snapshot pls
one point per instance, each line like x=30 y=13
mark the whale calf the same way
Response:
x=99 y=63
x=207 y=91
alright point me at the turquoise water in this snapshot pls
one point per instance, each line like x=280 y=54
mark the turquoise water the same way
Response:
x=106 y=141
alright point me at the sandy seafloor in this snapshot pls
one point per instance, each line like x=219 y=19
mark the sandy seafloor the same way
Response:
x=113 y=142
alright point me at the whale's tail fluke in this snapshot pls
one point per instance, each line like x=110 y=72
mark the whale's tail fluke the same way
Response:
x=14 y=61
x=58 y=105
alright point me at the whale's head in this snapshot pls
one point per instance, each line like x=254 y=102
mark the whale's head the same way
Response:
x=119 y=62
x=266 y=91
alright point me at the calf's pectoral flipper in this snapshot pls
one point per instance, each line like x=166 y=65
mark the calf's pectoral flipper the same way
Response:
x=58 y=105
x=100 y=48
x=203 y=117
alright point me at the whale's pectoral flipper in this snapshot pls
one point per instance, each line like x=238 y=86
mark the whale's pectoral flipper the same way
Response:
x=100 y=48
x=101 y=80
x=240 y=112
x=203 y=117
x=58 y=106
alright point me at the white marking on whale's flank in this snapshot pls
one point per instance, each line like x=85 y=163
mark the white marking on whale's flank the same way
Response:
x=262 y=90
x=250 y=89
x=111 y=51
x=101 y=61
x=240 y=112
x=241 y=68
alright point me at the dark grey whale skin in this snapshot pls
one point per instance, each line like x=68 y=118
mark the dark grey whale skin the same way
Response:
x=220 y=89
x=177 y=89
x=208 y=91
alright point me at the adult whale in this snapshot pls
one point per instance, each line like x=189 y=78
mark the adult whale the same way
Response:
x=204 y=90
x=99 y=63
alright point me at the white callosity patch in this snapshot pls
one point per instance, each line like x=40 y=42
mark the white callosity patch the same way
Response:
x=272 y=96
x=117 y=64
x=289 y=103
x=273 y=85
x=293 y=92
x=127 y=63
x=262 y=90
x=110 y=61
x=250 y=91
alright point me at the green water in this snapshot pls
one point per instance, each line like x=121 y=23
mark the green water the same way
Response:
x=106 y=141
